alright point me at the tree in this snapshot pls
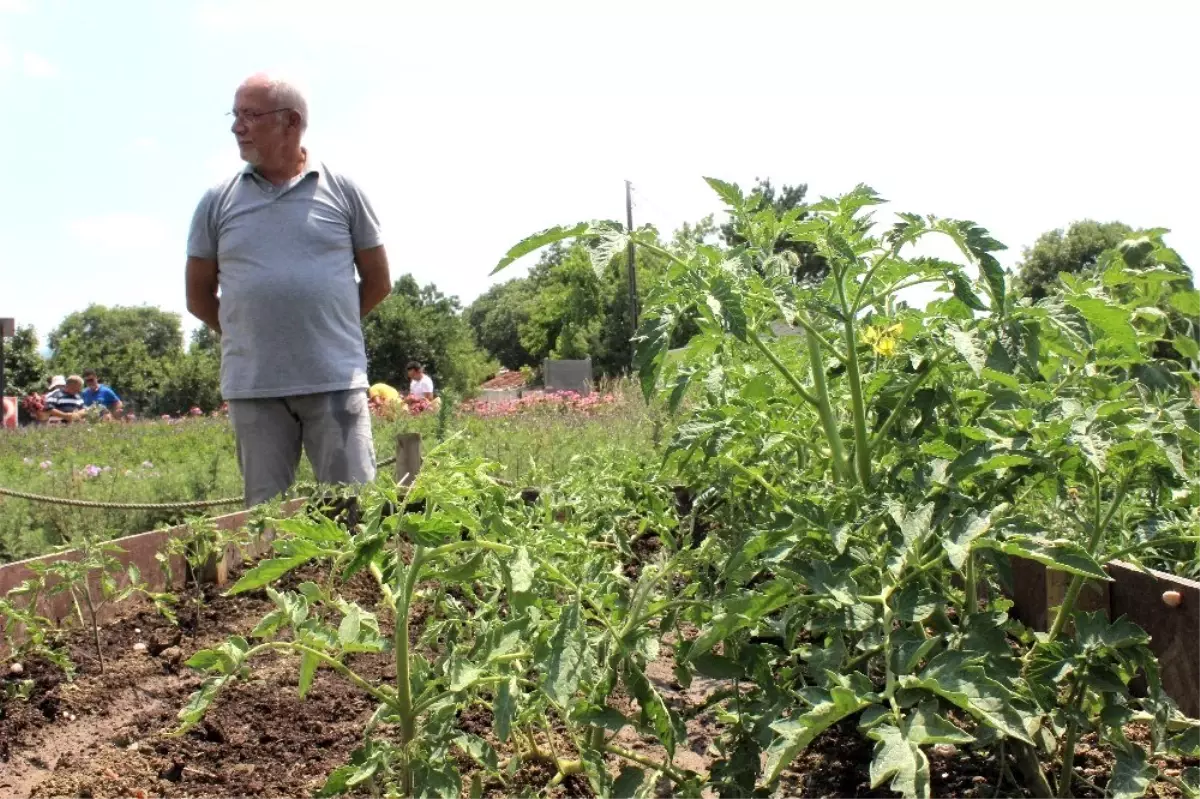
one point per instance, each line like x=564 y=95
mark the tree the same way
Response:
x=24 y=367
x=1073 y=251
x=811 y=266
x=422 y=324
x=193 y=380
x=496 y=317
x=205 y=339
x=130 y=347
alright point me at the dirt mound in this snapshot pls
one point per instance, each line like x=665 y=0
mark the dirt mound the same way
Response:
x=505 y=380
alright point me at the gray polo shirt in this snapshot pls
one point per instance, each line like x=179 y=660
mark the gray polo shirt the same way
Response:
x=289 y=299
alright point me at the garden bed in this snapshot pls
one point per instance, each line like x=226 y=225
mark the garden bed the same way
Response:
x=104 y=734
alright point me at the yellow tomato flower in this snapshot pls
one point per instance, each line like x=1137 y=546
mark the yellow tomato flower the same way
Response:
x=883 y=340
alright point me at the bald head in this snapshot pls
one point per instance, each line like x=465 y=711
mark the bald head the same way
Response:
x=270 y=117
x=278 y=92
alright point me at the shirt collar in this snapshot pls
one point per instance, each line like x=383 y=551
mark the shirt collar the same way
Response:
x=312 y=166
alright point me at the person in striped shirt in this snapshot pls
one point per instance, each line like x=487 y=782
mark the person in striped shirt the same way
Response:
x=64 y=403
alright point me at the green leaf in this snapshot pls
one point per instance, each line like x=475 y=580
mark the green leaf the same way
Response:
x=966 y=345
x=900 y=759
x=628 y=783
x=1093 y=447
x=439 y=779
x=652 y=341
x=796 y=734
x=308 y=669
x=351 y=625
x=199 y=703
x=654 y=711
x=521 y=569
x=206 y=659
x=318 y=529
x=742 y=612
x=916 y=603
x=952 y=676
x=1111 y=320
x=1186 y=743
x=729 y=306
x=717 y=667
x=1131 y=775
x=730 y=194
x=563 y=666
x=1186 y=302
x=270 y=624
x=539 y=240
x=606 y=717
x=1060 y=555
x=928 y=725
x=268 y=571
x=463 y=673
x=914 y=525
x=479 y=750
x=1187 y=347
x=504 y=709
x=963 y=533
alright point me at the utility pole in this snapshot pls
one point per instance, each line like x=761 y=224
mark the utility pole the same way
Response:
x=631 y=259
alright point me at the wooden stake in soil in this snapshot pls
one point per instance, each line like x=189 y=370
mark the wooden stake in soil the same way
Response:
x=408 y=457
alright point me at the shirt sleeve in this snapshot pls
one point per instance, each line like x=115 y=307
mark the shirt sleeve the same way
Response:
x=202 y=237
x=365 y=230
x=109 y=397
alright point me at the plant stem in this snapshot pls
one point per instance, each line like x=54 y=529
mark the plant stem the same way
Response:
x=971 y=589
x=757 y=341
x=87 y=597
x=1175 y=539
x=862 y=444
x=828 y=420
x=666 y=768
x=403 y=674
x=1099 y=525
x=1068 y=754
x=1031 y=766
x=333 y=663
x=458 y=546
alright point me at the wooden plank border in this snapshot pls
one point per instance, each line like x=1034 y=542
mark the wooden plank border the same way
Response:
x=1174 y=630
x=140 y=549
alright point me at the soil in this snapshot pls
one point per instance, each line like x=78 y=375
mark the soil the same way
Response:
x=105 y=734
x=505 y=380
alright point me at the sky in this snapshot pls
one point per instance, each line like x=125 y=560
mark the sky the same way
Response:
x=473 y=124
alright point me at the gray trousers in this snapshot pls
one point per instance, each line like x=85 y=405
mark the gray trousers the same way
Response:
x=333 y=429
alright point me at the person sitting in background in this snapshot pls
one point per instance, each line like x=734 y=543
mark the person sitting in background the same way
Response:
x=64 y=404
x=383 y=393
x=97 y=392
x=420 y=386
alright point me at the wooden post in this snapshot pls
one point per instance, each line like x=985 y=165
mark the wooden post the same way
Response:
x=408 y=457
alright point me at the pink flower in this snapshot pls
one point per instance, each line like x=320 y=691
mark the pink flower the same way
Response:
x=45 y=464
x=194 y=411
x=166 y=416
x=92 y=470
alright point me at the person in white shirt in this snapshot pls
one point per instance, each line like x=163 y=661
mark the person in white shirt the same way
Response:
x=420 y=386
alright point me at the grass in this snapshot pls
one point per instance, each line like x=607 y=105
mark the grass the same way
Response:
x=193 y=459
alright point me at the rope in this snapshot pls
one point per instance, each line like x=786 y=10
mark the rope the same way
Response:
x=86 y=503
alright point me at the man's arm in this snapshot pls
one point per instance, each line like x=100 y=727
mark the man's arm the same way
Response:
x=202 y=301
x=375 y=281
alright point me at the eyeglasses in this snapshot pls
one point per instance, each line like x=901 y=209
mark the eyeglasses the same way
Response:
x=250 y=116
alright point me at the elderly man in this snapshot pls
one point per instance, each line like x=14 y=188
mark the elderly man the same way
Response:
x=63 y=404
x=282 y=240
